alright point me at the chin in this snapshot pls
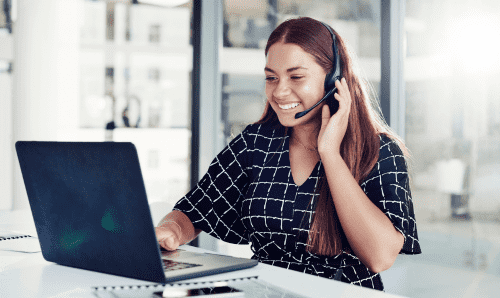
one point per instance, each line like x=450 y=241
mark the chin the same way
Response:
x=287 y=124
x=291 y=121
x=310 y=118
x=288 y=120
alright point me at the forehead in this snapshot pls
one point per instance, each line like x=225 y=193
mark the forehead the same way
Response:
x=286 y=55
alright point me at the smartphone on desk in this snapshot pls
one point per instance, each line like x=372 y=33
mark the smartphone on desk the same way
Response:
x=215 y=292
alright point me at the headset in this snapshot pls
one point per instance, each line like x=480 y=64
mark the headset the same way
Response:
x=330 y=79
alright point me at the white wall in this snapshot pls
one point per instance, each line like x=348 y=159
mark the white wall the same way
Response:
x=6 y=146
x=46 y=76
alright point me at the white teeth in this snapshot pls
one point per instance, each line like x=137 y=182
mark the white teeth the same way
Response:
x=288 y=106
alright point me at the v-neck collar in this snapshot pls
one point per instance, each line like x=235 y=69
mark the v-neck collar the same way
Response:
x=286 y=149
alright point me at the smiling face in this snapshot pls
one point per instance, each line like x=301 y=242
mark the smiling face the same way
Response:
x=294 y=83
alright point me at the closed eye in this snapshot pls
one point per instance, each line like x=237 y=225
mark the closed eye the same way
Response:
x=270 y=79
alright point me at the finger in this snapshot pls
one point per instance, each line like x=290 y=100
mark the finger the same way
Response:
x=325 y=115
x=343 y=104
x=339 y=86
x=174 y=244
x=169 y=243
x=162 y=232
x=344 y=101
x=342 y=84
x=167 y=238
x=166 y=246
x=344 y=89
x=339 y=98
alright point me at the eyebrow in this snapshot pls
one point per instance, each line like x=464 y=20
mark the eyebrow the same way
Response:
x=288 y=70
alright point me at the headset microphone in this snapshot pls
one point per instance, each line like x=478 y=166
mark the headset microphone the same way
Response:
x=303 y=113
x=330 y=79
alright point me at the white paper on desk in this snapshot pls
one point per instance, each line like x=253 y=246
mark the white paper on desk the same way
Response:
x=26 y=245
x=251 y=287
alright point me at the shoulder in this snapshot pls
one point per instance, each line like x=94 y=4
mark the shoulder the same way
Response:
x=256 y=135
x=391 y=160
x=264 y=136
x=389 y=148
x=263 y=132
x=264 y=129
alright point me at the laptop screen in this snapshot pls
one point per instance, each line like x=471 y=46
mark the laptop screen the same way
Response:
x=90 y=207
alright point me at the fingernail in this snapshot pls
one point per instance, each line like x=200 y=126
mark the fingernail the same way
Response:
x=170 y=242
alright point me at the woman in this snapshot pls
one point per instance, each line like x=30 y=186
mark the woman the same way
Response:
x=322 y=194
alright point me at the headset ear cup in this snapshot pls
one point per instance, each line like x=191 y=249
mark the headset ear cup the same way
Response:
x=335 y=73
x=330 y=82
x=333 y=104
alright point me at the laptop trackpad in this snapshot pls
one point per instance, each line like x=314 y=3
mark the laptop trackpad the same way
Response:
x=179 y=254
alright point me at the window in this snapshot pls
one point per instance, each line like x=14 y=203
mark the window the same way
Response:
x=452 y=109
x=134 y=63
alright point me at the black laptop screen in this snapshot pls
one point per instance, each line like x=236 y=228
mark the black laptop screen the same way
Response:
x=90 y=207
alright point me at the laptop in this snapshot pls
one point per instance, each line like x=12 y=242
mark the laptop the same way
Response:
x=90 y=210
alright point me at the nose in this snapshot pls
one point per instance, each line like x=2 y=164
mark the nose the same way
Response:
x=282 y=90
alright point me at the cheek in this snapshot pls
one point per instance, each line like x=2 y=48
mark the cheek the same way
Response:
x=268 y=88
x=313 y=89
x=269 y=94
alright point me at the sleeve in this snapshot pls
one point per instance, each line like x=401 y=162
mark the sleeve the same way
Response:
x=214 y=204
x=388 y=188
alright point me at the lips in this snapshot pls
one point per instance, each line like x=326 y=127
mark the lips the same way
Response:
x=288 y=106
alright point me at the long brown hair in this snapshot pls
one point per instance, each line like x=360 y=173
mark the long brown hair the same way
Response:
x=360 y=146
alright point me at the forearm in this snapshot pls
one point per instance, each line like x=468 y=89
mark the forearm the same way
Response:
x=369 y=231
x=180 y=220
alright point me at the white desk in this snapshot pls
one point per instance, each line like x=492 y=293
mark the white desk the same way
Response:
x=29 y=275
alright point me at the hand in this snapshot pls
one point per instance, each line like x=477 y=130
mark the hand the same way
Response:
x=333 y=128
x=168 y=236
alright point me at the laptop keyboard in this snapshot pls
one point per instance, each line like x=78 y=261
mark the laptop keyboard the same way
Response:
x=169 y=265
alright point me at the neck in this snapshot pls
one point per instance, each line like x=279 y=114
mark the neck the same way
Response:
x=306 y=135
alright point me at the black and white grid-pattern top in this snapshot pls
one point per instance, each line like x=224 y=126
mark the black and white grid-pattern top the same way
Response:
x=248 y=195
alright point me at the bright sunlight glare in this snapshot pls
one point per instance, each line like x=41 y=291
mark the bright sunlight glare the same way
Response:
x=473 y=41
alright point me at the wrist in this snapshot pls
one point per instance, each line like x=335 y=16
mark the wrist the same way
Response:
x=333 y=161
x=330 y=155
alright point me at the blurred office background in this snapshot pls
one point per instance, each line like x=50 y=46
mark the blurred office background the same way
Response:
x=69 y=69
